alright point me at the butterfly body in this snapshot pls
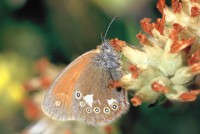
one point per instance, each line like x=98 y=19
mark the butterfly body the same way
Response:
x=81 y=91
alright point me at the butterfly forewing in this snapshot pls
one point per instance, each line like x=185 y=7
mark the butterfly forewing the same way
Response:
x=58 y=100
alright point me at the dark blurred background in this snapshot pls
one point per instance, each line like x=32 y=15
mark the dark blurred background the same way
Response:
x=60 y=31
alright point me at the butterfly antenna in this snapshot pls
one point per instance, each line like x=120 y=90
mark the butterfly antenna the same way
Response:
x=103 y=38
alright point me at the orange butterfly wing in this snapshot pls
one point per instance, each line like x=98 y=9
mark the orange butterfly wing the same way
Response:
x=58 y=100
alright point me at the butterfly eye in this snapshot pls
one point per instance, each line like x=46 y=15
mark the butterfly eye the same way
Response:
x=78 y=95
x=88 y=110
x=106 y=110
x=114 y=106
x=119 y=89
x=96 y=110
x=82 y=104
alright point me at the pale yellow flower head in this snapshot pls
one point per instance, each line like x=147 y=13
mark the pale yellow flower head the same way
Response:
x=169 y=58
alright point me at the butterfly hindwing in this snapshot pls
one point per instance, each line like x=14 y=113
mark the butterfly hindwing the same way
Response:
x=97 y=104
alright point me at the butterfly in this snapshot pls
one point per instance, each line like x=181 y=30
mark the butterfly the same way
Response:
x=82 y=92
